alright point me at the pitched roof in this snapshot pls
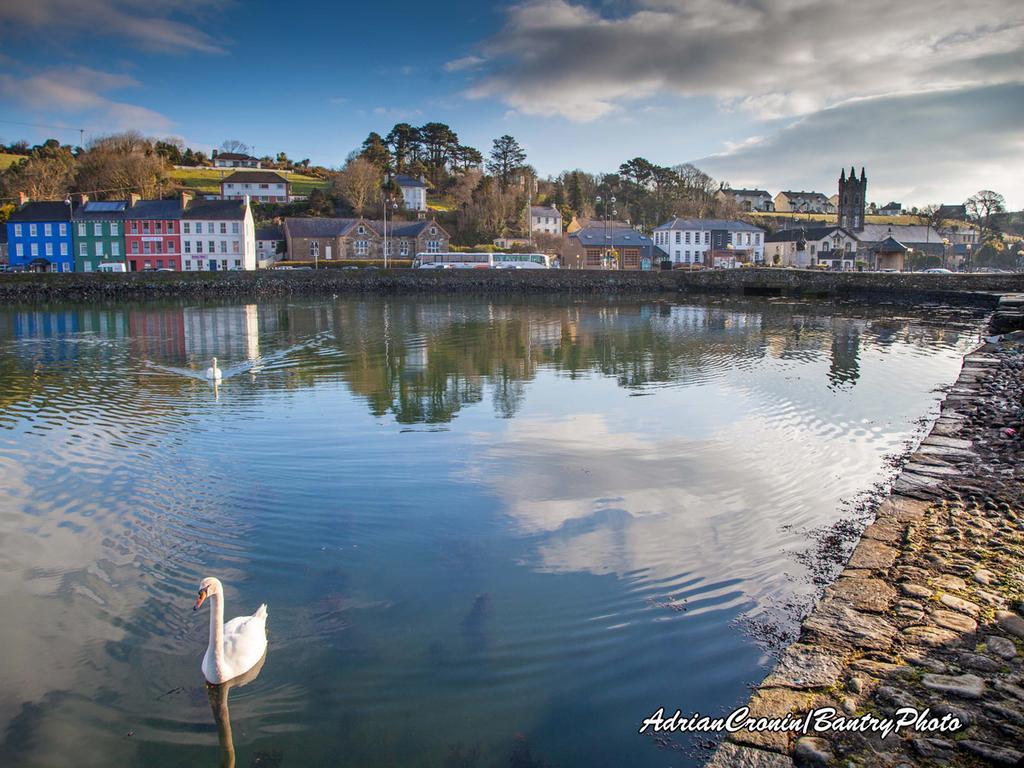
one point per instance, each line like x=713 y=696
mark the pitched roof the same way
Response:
x=804 y=195
x=155 y=209
x=102 y=210
x=215 y=209
x=890 y=245
x=544 y=210
x=908 y=234
x=43 y=210
x=269 y=233
x=614 y=236
x=408 y=181
x=325 y=227
x=234 y=156
x=746 y=192
x=807 y=233
x=254 y=177
x=708 y=224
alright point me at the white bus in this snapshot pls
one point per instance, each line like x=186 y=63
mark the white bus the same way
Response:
x=451 y=260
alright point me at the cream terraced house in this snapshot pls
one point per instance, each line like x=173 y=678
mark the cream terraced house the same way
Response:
x=218 y=235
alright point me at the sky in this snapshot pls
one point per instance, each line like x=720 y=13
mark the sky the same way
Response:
x=927 y=95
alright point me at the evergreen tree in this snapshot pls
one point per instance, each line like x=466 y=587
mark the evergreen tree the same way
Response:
x=507 y=157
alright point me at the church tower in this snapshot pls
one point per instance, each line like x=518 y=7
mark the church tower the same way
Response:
x=852 y=199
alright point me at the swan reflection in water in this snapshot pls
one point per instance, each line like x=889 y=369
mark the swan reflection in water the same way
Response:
x=218 y=695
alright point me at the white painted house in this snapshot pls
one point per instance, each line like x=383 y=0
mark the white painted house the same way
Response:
x=268 y=240
x=259 y=186
x=702 y=241
x=546 y=220
x=218 y=235
x=414 y=192
x=806 y=247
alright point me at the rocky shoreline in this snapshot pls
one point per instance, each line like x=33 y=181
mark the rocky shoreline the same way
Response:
x=929 y=610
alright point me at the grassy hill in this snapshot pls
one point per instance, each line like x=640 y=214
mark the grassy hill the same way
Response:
x=207 y=180
x=8 y=160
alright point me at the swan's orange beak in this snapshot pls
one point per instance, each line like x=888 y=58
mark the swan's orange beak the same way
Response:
x=199 y=600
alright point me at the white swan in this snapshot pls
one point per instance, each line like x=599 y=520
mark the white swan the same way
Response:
x=235 y=647
x=213 y=372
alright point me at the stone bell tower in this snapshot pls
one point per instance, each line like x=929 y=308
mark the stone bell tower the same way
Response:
x=852 y=200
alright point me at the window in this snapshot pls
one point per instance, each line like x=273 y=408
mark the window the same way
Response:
x=159 y=246
x=686 y=255
x=199 y=246
x=65 y=267
x=135 y=227
x=19 y=250
x=33 y=230
x=234 y=227
x=824 y=247
x=362 y=247
x=17 y=230
x=34 y=248
x=209 y=227
x=99 y=249
x=433 y=231
x=238 y=264
x=81 y=229
x=187 y=228
x=158 y=227
x=687 y=238
x=97 y=228
x=188 y=262
x=63 y=249
x=88 y=266
x=83 y=249
x=223 y=246
x=314 y=249
x=188 y=246
x=115 y=249
x=135 y=246
x=212 y=246
x=593 y=257
x=757 y=238
x=433 y=246
x=679 y=237
x=361 y=230
x=49 y=249
x=159 y=263
x=631 y=258
x=147 y=247
x=403 y=248
x=234 y=246
x=113 y=228
x=707 y=238
x=170 y=246
x=48 y=230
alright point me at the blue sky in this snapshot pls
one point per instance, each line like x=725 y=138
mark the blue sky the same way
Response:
x=778 y=94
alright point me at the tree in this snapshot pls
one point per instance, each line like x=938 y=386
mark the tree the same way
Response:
x=467 y=157
x=359 y=184
x=171 y=149
x=507 y=156
x=115 y=165
x=48 y=173
x=982 y=207
x=376 y=152
x=404 y=142
x=236 y=146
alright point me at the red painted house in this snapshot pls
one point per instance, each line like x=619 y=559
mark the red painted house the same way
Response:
x=152 y=233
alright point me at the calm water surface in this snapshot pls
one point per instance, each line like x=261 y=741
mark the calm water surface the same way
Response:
x=490 y=533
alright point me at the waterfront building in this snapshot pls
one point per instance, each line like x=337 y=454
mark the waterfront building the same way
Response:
x=702 y=241
x=152 y=234
x=259 y=186
x=315 y=239
x=805 y=247
x=616 y=246
x=39 y=236
x=268 y=243
x=98 y=233
x=545 y=219
x=218 y=235
x=414 y=192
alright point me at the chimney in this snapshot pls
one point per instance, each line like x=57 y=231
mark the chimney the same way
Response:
x=186 y=198
x=133 y=199
x=22 y=199
x=83 y=198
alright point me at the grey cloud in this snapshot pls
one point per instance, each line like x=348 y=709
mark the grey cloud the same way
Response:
x=779 y=58
x=141 y=23
x=918 y=148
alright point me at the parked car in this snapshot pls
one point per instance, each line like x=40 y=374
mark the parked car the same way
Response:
x=938 y=271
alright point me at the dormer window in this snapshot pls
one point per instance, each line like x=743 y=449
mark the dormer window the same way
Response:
x=362 y=230
x=433 y=230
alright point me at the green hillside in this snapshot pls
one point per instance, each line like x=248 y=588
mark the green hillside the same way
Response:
x=207 y=180
x=8 y=160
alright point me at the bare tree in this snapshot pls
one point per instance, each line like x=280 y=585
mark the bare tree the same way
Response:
x=982 y=207
x=45 y=175
x=236 y=146
x=359 y=184
x=116 y=165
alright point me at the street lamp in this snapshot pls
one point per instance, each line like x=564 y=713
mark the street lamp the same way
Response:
x=606 y=259
x=969 y=263
x=945 y=253
x=385 y=195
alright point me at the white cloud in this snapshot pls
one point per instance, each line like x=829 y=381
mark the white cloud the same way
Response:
x=465 y=63
x=140 y=23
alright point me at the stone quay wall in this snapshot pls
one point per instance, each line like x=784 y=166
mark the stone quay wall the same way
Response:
x=981 y=290
x=929 y=610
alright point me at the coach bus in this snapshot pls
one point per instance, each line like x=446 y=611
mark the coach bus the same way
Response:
x=451 y=260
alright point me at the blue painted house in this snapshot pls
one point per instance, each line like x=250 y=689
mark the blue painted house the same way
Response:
x=39 y=237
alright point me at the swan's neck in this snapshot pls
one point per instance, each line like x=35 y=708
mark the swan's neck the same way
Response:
x=217 y=629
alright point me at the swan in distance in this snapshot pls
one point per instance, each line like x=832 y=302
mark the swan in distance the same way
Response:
x=213 y=372
x=235 y=647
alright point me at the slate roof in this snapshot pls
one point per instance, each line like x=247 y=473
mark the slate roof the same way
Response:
x=890 y=245
x=807 y=233
x=408 y=181
x=43 y=210
x=325 y=227
x=746 y=192
x=162 y=210
x=805 y=195
x=270 y=233
x=544 y=210
x=234 y=156
x=907 y=234
x=215 y=209
x=254 y=177
x=727 y=224
x=103 y=210
x=616 y=237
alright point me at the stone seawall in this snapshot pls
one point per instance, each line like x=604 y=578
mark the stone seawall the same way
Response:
x=929 y=610
x=959 y=289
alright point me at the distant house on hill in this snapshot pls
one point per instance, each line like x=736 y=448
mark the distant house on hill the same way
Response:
x=803 y=202
x=235 y=160
x=747 y=199
x=414 y=192
x=544 y=219
x=259 y=186
x=891 y=209
x=958 y=212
